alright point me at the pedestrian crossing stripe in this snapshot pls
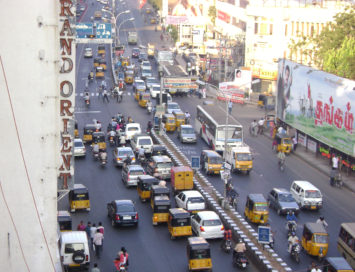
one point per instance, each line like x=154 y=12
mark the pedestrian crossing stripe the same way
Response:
x=97 y=94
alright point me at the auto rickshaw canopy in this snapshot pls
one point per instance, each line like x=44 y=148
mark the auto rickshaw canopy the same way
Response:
x=283 y=137
x=161 y=203
x=315 y=228
x=179 y=217
x=145 y=182
x=64 y=220
x=169 y=118
x=179 y=115
x=336 y=264
x=158 y=190
x=98 y=136
x=197 y=243
x=79 y=192
x=89 y=129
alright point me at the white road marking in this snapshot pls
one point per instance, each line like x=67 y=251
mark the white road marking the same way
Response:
x=87 y=111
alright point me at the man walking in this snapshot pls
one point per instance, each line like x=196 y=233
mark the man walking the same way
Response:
x=105 y=96
x=98 y=237
x=230 y=106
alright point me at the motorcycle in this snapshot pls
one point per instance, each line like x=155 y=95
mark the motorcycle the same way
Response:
x=149 y=109
x=87 y=102
x=336 y=179
x=95 y=155
x=295 y=252
x=241 y=261
x=112 y=142
x=282 y=165
x=227 y=246
x=291 y=226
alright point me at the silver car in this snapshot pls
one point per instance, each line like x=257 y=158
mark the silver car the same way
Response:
x=120 y=154
x=79 y=148
x=186 y=134
x=130 y=174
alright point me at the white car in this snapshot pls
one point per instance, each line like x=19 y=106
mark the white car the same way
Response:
x=207 y=224
x=88 y=52
x=191 y=201
x=154 y=91
x=146 y=72
x=146 y=65
x=79 y=148
x=132 y=129
x=150 y=81
x=172 y=106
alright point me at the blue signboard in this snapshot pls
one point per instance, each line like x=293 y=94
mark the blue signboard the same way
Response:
x=195 y=162
x=103 y=31
x=84 y=30
x=263 y=234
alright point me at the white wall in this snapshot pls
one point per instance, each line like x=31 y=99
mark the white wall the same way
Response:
x=33 y=87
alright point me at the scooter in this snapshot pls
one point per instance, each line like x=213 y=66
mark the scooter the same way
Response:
x=149 y=109
x=241 y=261
x=295 y=252
x=336 y=179
x=227 y=246
x=112 y=142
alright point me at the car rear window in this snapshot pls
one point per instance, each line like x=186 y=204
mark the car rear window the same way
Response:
x=145 y=141
x=125 y=153
x=125 y=208
x=78 y=144
x=135 y=172
x=71 y=248
x=196 y=200
x=164 y=165
x=132 y=129
x=212 y=222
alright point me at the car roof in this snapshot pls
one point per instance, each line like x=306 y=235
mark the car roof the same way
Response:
x=124 y=202
x=192 y=193
x=124 y=148
x=208 y=215
x=339 y=263
x=186 y=126
x=73 y=236
x=179 y=213
x=162 y=158
x=211 y=153
x=257 y=197
x=135 y=167
x=281 y=190
x=305 y=184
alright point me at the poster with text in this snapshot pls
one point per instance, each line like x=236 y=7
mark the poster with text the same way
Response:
x=185 y=12
x=317 y=103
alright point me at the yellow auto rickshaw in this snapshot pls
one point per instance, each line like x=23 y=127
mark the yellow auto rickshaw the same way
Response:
x=181 y=178
x=148 y=11
x=256 y=209
x=151 y=50
x=144 y=97
x=99 y=138
x=79 y=198
x=160 y=206
x=144 y=185
x=88 y=131
x=179 y=118
x=96 y=62
x=315 y=239
x=128 y=76
x=153 y=20
x=64 y=221
x=99 y=72
x=169 y=122
x=125 y=61
x=158 y=190
x=199 y=254
x=76 y=130
x=336 y=264
x=138 y=92
x=179 y=223
x=103 y=64
x=284 y=143
x=101 y=50
x=211 y=162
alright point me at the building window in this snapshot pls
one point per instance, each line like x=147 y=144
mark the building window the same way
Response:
x=293 y=29
x=312 y=30
x=307 y=29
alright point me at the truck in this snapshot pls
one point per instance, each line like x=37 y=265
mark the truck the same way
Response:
x=132 y=37
x=176 y=80
x=164 y=57
x=240 y=158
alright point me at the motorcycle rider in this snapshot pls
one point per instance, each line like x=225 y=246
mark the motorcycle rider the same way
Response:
x=261 y=125
x=103 y=156
x=119 y=94
x=95 y=148
x=141 y=155
x=149 y=126
x=123 y=255
x=291 y=220
x=282 y=157
x=187 y=117
x=239 y=249
x=321 y=220
x=112 y=134
x=122 y=140
x=292 y=240
x=149 y=105
x=227 y=236
x=127 y=160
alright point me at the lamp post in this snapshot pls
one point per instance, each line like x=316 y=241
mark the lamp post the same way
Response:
x=115 y=19
x=118 y=29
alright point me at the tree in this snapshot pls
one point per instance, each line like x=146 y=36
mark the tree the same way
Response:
x=212 y=13
x=333 y=50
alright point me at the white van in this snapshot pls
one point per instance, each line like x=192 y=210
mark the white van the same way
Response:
x=142 y=140
x=132 y=129
x=306 y=195
x=74 y=249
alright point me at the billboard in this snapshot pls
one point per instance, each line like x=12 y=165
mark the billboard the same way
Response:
x=317 y=103
x=184 y=12
x=242 y=78
x=230 y=91
x=179 y=83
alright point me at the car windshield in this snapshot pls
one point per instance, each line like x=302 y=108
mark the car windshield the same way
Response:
x=212 y=222
x=136 y=172
x=187 y=131
x=135 y=50
x=234 y=134
x=125 y=153
x=244 y=157
x=321 y=239
x=140 y=84
x=145 y=141
x=313 y=194
x=143 y=56
x=146 y=71
x=132 y=129
x=196 y=200
x=215 y=160
x=125 y=208
x=156 y=89
x=164 y=165
x=173 y=106
x=286 y=198
x=260 y=207
x=151 y=80
x=78 y=144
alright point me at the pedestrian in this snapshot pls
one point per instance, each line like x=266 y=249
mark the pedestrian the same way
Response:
x=98 y=239
x=294 y=141
x=81 y=226
x=88 y=229
x=105 y=96
x=204 y=93
x=99 y=90
x=274 y=144
x=261 y=125
x=230 y=106
x=335 y=162
x=92 y=232
x=95 y=269
x=101 y=228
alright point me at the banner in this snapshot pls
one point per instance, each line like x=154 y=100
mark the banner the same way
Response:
x=230 y=91
x=242 y=78
x=318 y=104
x=185 y=12
x=179 y=83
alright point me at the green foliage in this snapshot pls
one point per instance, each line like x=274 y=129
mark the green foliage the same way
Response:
x=156 y=4
x=212 y=13
x=334 y=49
x=173 y=33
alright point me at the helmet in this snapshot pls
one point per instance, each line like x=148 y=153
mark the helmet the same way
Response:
x=321 y=218
x=293 y=233
x=240 y=241
x=123 y=249
x=292 y=213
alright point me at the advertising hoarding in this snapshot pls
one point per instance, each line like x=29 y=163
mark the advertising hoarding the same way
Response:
x=184 y=12
x=230 y=91
x=318 y=104
x=179 y=83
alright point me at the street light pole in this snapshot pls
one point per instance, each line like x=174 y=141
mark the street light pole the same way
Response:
x=118 y=29
x=115 y=18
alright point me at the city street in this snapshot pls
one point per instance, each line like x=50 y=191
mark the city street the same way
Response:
x=150 y=248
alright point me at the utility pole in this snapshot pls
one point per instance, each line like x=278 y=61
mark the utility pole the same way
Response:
x=225 y=60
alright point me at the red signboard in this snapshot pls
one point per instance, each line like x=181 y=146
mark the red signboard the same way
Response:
x=223 y=16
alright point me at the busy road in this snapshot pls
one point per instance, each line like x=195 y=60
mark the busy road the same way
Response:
x=150 y=246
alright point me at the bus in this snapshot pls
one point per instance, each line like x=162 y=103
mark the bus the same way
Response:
x=210 y=123
x=346 y=242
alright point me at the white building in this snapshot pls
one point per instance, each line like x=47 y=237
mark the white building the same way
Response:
x=31 y=123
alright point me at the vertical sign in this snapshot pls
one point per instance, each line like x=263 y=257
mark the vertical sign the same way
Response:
x=66 y=83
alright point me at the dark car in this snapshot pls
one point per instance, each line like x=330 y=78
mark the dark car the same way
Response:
x=282 y=201
x=142 y=56
x=135 y=52
x=122 y=212
x=159 y=150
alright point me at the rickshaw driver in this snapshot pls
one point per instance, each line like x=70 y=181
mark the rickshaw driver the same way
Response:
x=292 y=240
x=281 y=156
x=187 y=117
x=239 y=249
x=95 y=148
x=112 y=134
